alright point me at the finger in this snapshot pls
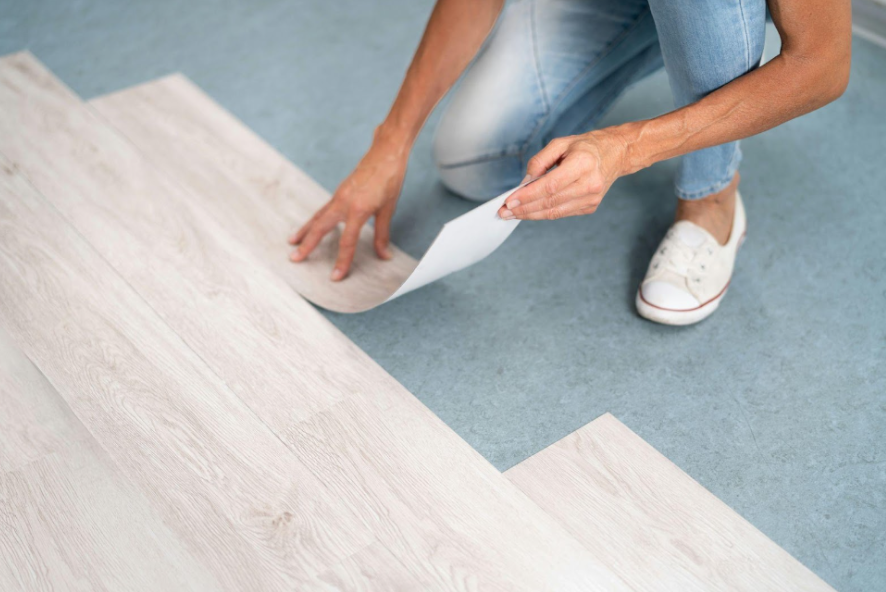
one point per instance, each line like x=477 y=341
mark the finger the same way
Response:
x=318 y=230
x=347 y=246
x=547 y=157
x=547 y=186
x=571 y=192
x=562 y=211
x=300 y=235
x=383 y=231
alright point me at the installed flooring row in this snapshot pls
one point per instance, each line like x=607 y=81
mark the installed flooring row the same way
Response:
x=174 y=415
x=249 y=423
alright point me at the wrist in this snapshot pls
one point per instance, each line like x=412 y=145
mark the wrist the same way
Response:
x=393 y=139
x=635 y=146
x=388 y=154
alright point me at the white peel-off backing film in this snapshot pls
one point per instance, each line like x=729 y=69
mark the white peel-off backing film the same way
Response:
x=461 y=243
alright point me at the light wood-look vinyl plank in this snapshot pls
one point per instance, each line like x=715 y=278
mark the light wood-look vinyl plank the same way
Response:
x=372 y=569
x=648 y=520
x=170 y=119
x=33 y=424
x=440 y=508
x=204 y=284
x=68 y=518
x=230 y=490
x=258 y=195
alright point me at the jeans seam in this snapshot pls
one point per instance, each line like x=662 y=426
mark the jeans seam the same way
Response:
x=607 y=50
x=606 y=103
x=747 y=36
x=536 y=58
x=481 y=159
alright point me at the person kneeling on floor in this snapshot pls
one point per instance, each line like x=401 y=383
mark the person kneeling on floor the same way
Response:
x=544 y=77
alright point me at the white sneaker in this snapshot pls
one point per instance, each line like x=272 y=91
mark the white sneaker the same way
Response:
x=690 y=272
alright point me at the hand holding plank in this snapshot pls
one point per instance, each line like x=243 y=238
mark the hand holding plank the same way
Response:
x=372 y=189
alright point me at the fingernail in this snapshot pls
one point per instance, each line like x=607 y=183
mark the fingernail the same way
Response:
x=507 y=215
x=295 y=256
x=526 y=179
x=337 y=274
x=292 y=240
x=387 y=254
x=513 y=204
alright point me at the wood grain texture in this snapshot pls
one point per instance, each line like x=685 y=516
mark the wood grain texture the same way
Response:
x=651 y=522
x=370 y=570
x=34 y=421
x=70 y=522
x=68 y=518
x=419 y=490
x=257 y=195
x=230 y=490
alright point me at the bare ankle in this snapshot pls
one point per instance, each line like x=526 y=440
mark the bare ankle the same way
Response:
x=714 y=212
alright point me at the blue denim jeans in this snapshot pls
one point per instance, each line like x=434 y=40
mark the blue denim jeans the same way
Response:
x=551 y=68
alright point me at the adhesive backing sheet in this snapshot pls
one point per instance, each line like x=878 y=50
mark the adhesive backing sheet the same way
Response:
x=461 y=243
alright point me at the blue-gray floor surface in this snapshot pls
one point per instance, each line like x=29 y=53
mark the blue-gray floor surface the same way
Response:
x=777 y=403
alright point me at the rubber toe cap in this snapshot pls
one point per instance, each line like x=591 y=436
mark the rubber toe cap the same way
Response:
x=668 y=296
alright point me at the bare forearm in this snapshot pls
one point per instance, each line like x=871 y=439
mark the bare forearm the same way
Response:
x=575 y=172
x=754 y=103
x=454 y=34
x=811 y=71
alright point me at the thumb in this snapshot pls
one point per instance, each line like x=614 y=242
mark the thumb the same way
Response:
x=548 y=156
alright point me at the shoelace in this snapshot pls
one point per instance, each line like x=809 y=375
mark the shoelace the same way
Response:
x=679 y=256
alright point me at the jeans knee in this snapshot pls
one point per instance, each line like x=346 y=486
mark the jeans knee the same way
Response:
x=482 y=179
x=478 y=151
x=468 y=163
x=706 y=47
